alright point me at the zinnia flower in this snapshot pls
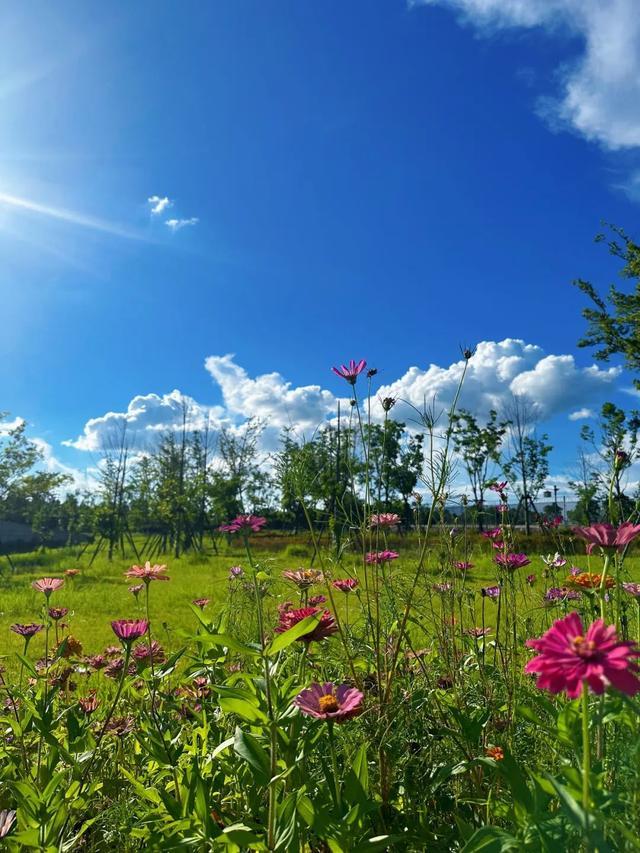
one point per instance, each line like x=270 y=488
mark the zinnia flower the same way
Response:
x=632 y=588
x=330 y=702
x=606 y=536
x=48 y=585
x=590 y=580
x=378 y=557
x=201 y=602
x=57 y=613
x=128 y=630
x=568 y=657
x=384 y=519
x=236 y=572
x=512 y=561
x=490 y=592
x=351 y=372
x=345 y=584
x=325 y=627
x=244 y=523
x=89 y=704
x=317 y=600
x=147 y=573
x=148 y=654
x=27 y=630
x=463 y=566
x=561 y=593
x=303 y=578
x=495 y=752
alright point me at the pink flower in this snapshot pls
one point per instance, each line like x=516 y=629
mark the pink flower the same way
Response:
x=351 y=372
x=495 y=533
x=128 y=630
x=632 y=588
x=345 y=584
x=502 y=507
x=325 y=627
x=384 y=519
x=136 y=590
x=57 y=613
x=568 y=657
x=147 y=573
x=244 y=523
x=48 y=585
x=89 y=704
x=512 y=561
x=303 y=578
x=27 y=630
x=531 y=579
x=607 y=536
x=462 y=566
x=490 y=592
x=236 y=572
x=317 y=600
x=201 y=602
x=146 y=654
x=330 y=702
x=378 y=557
x=498 y=487
x=7 y=819
x=71 y=573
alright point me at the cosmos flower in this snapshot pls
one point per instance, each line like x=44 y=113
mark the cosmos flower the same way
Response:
x=128 y=630
x=494 y=533
x=490 y=592
x=345 y=584
x=606 y=536
x=27 y=630
x=463 y=566
x=351 y=372
x=147 y=573
x=379 y=557
x=325 y=627
x=330 y=702
x=442 y=588
x=236 y=572
x=244 y=523
x=561 y=593
x=48 y=585
x=632 y=588
x=512 y=561
x=568 y=657
x=555 y=561
x=201 y=602
x=303 y=578
x=136 y=590
x=384 y=519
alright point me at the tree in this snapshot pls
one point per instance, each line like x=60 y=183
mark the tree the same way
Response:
x=586 y=485
x=479 y=449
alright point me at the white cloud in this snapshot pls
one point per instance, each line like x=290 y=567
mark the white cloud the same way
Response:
x=8 y=426
x=581 y=414
x=86 y=480
x=177 y=224
x=600 y=89
x=159 y=204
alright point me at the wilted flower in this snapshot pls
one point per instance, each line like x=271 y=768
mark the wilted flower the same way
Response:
x=442 y=588
x=7 y=820
x=89 y=704
x=201 y=602
x=27 y=630
x=114 y=668
x=345 y=584
x=303 y=578
x=490 y=592
x=112 y=651
x=48 y=585
x=463 y=566
x=97 y=661
x=372 y=372
x=512 y=561
x=128 y=630
x=495 y=752
x=555 y=561
x=147 y=573
x=620 y=459
x=351 y=372
x=498 y=487
x=136 y=590
x=502 y=507
x=606 y=536
x=244 y=523
x=317 y=600
x=387 y=403
x=384 y=519
x=70 y=648
x=71 y=573
x=57 y=613
x=378 y=557
x=330 y=702
x=632 y=588
x=325 y=627
x=120 y=726
x=569 y=657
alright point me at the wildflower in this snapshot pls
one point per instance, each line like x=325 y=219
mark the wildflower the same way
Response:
x=48 y=585
x=114 y=668
x=557 y=593
x=57 y=613
x=201 y=602
x=27 y=630
x=317 y=600
x=531 y=579
x=468 y=353
x=379 y=557
x=128 y=630
x=620 y=458
x=490 y=592
x=495 y=752
x=574 y=570
x=71 y=573
x=97 y=661
x=325 y=627
x=120 y=726
x=345 y=584
x=387 y=403
x=502 y=507
x=351 y=372
x=569 y=657
x=463 y=566
x=606 y=536
x=384 y=519
x=112 y=651
x=494 y=534
x=89 y=704
x=244 y=523
x=330 y=702
x=303 y=578
x=590 y=580
x=442 y=588
x=136 y=590
x=554 y=562
x=147 y=573
x=372 y=372
x=149 y=654
x=512 y=561
x=236 y=572
x=498 y=487
x=69 y=647
x=477 y=632
x=7 y=820
x=632 y=588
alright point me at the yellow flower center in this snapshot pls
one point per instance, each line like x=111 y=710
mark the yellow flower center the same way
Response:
x=328 y=704
x=582 y=646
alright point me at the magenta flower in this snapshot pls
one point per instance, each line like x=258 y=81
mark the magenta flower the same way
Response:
x=27 y=630
x=384 y=519
x=128 y=630
x=330 y=702
x=531 y=579
x=317 y=600
x=244 y=523
x=201 y=602
x=561 y=593
x=136 y=590
x=345 y=584
x=568 y=658
x=147 y=573
x=57 y=613
x=498 y=487
x=606 y=536
x=462 y=566
x=502 y=507
x=325 y=627
x=147 y=654
x=493 y=534
x=236 y=572
x=490 y=592
x=48 y=585
x=632 y=588
x=512 y=561
x=351 y=372
x=378 y=557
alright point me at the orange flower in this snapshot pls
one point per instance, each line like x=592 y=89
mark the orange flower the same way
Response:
x=590 y=580
x=495 y=752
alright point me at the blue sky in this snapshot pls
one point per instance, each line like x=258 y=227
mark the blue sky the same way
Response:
x=364 y=179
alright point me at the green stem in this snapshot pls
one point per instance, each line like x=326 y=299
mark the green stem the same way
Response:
x=334 y=765
x=586 y=759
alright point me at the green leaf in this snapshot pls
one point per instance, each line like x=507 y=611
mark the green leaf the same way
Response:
x=491 y=839
x=247 y=710
x=248 y=748
x=305 y=626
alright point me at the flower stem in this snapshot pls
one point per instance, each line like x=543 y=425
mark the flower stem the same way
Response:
x=334 y=765
x=586 y=760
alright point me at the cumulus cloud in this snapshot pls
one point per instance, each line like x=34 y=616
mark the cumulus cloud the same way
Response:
x=599 y=90
x=158 y=204
x=177 y=224
x=86 y=480
x=146 y=418
x=8 y=426
x=581 y=414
